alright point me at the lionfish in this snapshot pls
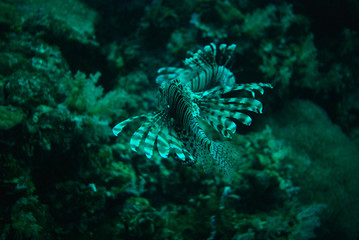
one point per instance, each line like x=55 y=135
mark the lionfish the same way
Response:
x=201 y=92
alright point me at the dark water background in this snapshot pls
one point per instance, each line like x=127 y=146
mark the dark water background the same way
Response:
x=71 y=69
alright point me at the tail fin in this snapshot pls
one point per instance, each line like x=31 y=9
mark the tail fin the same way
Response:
x=226 y=155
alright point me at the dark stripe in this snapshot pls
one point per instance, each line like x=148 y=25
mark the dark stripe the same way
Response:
x=180 y=109
x=198 y=80
x=220 y=73
x=205 y=80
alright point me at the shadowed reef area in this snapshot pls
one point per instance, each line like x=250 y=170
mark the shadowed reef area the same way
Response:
x=70 y=70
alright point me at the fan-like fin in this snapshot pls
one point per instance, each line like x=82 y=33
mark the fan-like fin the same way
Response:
x=197 y=61
x=216 y=92
x=152 y=135
x=243 y=118
x=219 y=112
x=223 y=125
x=176 y=145
x=251 y=87
x=167 y=74
x=225 y=155
x=163 y=146
x=140 y=132
x=138 y=135
x=206 y=68
x=233 y=104
x=221 y=120
x=227 y=52
x=119 y=127
x=189 y=160
x=210 y=56
x=205 y=157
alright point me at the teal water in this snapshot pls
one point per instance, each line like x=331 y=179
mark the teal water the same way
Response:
x=71 y=70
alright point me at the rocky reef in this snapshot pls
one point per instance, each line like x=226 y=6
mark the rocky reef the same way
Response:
x=71 y=69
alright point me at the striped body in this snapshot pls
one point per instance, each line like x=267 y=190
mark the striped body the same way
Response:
x=183 y=117
x=193 y=93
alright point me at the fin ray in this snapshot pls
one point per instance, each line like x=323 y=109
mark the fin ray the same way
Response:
x=163 y=146
x=233 y=104
x=166 y=74
x=152 y=135
x=120 y=126
x=136 y=138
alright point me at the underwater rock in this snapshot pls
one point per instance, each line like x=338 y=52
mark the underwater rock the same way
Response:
x=10 y=117
x=70 y=19
x=326 y=163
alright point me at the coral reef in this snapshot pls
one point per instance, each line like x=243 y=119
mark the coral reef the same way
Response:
x=70 y=70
